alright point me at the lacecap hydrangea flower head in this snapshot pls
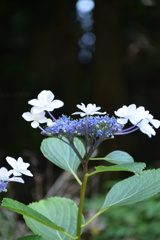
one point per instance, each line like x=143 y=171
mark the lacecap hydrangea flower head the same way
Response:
x=93 y=125
x=18 y=168
x=89 y=126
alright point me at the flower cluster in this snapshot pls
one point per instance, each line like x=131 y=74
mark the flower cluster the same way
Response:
x=44 y=103
x=139 y=117
x=91 y=109
x=89 y=126
x=19 y=168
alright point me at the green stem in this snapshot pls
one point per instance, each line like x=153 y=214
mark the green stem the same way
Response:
x=82 y=196
x=74 y=238
x=77 y=178
x=95 y=216
x=95 y=159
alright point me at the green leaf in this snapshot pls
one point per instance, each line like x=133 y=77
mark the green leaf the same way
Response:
x=29 y=212
x=130 y=167
x=62 y=155
x=133 y=189
x=32 y=237
x=118 y=157
x=60 y=210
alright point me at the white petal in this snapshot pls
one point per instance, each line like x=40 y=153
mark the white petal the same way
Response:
x=141 y=108
x=40 y=117
x=37 y=110
x=99 y=113
x=17 y=179
x=22 y=171
x=91 y=109
x=122 y=120
x=50 y=123
x=21 y=168
x=4 y=174
x=56 y=104
x=155 y=123
x=12 y=162
x=83 y=114
x=35 y=102
x=76 y=113
x=146 y=128
x=139 y=115
x=81 y=107
x=50 y=96
x=16 y=172
x=43 y=120
x=131 y=109
x=22 y=164
x=36 y=118
x=121 y=112
x=27 y=116
x=45 y=102
x=27 y=173
x=125 y=111
x=45 y=97
x=35 y=124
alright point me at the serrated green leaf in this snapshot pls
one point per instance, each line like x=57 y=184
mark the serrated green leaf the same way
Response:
x=130 y=167
x=133 y=189
x=118 y=157
x=29 y=212
x=62 y=155
x=60 y=210
x=32 y=237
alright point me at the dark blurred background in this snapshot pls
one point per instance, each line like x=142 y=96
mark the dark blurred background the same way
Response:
x=103 y=52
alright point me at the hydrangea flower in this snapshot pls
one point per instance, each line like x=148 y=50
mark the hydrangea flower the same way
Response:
x=35 y=119
x=89 y=127
x=138 y=117
x=5 y=178
x=125 y=113
x=146 y=128
x=91 y=109
x=19 y=167
x=45 y=102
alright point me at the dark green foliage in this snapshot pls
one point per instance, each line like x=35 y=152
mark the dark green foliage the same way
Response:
x=7 y=225
x=134 y=221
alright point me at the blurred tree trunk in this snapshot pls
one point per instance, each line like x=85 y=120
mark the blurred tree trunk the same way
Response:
x=108 y=59
x=54 y=55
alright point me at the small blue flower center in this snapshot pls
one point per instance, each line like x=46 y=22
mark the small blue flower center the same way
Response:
x=90 y=127
x=3 y=186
